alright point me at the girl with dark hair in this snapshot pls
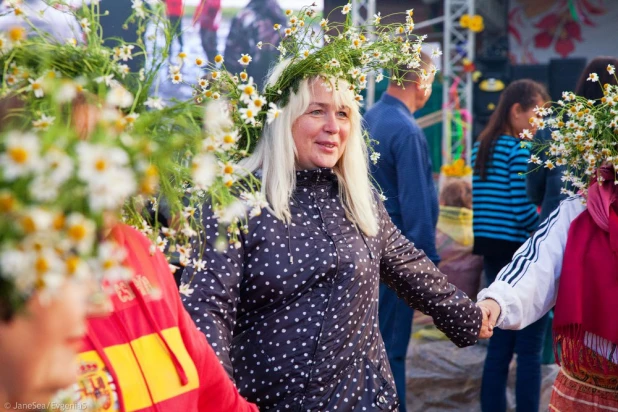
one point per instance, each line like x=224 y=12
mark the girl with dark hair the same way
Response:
x=591 y=90
x=503 y=220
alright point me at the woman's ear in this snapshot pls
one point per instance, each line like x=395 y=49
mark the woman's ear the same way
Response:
x=516 y=110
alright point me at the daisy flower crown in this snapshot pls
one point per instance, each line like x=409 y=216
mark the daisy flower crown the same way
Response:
x=334 y=50
x=584 y=136
x=88 y=138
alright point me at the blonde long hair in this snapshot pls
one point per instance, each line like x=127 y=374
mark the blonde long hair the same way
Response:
x=275 y=155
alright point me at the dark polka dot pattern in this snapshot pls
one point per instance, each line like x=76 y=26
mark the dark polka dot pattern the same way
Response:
x=293 y=313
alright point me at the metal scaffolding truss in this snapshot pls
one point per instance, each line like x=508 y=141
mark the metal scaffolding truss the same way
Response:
x=458 y=44
x=362 y=13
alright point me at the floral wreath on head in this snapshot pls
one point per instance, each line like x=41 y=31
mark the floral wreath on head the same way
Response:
x=584 y=136
x=317 y=48
x=86 y=142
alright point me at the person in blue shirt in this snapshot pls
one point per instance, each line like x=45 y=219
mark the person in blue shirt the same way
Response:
x=504 y=218
x=404 y=174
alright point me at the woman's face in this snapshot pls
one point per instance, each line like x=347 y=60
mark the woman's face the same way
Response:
x=321 y=132
x=38 y=347
x=520 y=118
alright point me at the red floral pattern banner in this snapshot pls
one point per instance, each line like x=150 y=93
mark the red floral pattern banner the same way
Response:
x=540 y=30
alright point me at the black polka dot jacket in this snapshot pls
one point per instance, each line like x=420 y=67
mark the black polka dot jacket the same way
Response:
x=293 y=313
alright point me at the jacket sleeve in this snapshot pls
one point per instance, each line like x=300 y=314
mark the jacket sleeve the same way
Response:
x=418 y=202
x=526 y=288
x=211 y=293
x=418 y=281
x=525 y=211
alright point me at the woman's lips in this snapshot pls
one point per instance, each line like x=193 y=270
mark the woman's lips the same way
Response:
x=328 y=147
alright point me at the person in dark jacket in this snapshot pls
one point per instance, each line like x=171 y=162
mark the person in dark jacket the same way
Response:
x=403 y=173
x=292 y=309
x=251 y=25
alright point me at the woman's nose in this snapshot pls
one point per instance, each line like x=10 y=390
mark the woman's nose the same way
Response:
x=331 y=125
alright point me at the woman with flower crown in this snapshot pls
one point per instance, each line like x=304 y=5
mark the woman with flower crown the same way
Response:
x=570 y=262
x=290 y=306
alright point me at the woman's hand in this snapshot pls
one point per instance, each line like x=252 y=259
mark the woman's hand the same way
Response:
x=491 y=312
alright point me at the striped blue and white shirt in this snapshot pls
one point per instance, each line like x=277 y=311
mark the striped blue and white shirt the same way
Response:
x=504 y=217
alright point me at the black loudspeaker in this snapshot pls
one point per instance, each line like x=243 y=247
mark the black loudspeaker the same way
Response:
x=564 y=75
x=536 y=72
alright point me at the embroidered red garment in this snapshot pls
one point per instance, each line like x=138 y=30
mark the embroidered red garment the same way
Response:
x=588 y=287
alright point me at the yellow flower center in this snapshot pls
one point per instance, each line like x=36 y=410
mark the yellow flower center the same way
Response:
x=58 y=222
x=41 y=265
x=72 y=263
x=27 y=223
x=249 y=113
x=243 y=76
x=228 y=138
x=249 y=90
x=245 y=59
x=228 y=169
x=199 y=62
x=18 y=154
x=218 y=58
x=7 y=202
x=36 y=86
x=17 y=34
x=108 y=264
x=100 y=165
x=258 y=103
x=77 y=232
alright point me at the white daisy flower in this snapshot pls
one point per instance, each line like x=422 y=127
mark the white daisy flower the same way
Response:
x=118 y=96
x=156 y=103
x=203 y=171
x=43 y=122
x=36 y=86
x=185 y=289
x=248 y=115
x=273 y=113
x=346 y=9
x=21 y=155
x=85 y=25
x=245 y=59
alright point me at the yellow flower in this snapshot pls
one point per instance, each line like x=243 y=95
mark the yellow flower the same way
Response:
x=476 y=24
x=17 y=34
x=464 y=21
x=218 y=59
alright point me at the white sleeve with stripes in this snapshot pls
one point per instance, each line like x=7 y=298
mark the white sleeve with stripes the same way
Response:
x=526 y=288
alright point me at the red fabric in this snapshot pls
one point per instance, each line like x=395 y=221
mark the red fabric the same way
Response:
x=148 y=313
x=208 y=13
x=174 y=7
x=589 y=280
x=571 y=395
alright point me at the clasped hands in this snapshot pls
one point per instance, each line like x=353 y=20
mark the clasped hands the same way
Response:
x=491 y=312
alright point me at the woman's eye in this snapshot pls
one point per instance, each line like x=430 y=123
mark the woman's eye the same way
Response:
x=316 y=112
x=342 y=114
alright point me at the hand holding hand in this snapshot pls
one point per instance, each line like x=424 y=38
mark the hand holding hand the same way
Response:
x=491 y=312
